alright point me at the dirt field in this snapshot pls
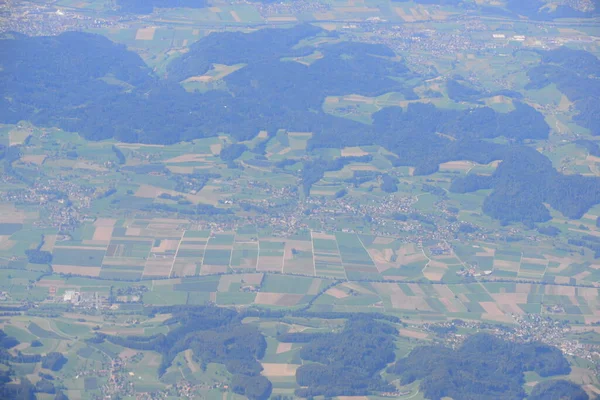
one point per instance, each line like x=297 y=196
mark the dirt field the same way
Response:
x=282 y=19
x=277 y=299
x=18 y=136
x=270 y=263
x=353 y=152
x=283 y=348
x=103 y=233
x=337 y=293
x=216 y=148
x=157 y=268
x=37 y=159
x=190 y=362
x=73 y=269
x=145 y=33
x=185 y=158
x=235 y=16
x=433 y=274
x=457 y=165
x=491 y=308
x=412 y=334
x=314 y=287
x=279 y=369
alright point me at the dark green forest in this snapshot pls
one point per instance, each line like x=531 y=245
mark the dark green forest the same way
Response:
x=74 y=89
x=346 y=363
x=558 y=390
x=214 y=335
x=484 y=367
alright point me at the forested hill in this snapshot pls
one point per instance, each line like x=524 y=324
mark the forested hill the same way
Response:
x=350 y=361
x=147 y=6
x=532 y=9
x=483 y=368
x=576 y=73
x=99 y=89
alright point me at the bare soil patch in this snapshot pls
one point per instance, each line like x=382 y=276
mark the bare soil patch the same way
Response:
x=270 y=369
x=145 y=33
x=76 y=270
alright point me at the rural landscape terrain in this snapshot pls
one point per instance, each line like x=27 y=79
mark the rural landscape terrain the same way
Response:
x=349 y=199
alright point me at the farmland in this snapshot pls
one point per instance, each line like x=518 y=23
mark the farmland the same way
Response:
x=291 y=228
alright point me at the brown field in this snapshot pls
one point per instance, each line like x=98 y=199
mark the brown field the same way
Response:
x=190 y=361
x=433 y=274
x=562 y=279
x=451 y=307
x=73 y=269
x=588 y=293
x=145 y=33
x=324 y=16
x=103 y=233
x=560 y=290
x=37 y=159
x=322 y=235
x=283 y=348
x=270 y=263
x=6 y=243
x=403 y=302
x=314 y=287
x=185 y=158
x=363 y=167
x=416 y=289
x=105 y=222
x=18 y=136
x=506 y=265
x=157 y=268
x=539 y=261
x=491 y=308
x=413 y=334
x=353 y=152
x=457 y=165
x=124 y=331
x=235 y=16
x=270 y=369
x=443 y=291
x=180 y=170
x=381 y=260
x=509 y=298
x=49 y=242
x=184 y=269
x=282 y=19
x=337 y=293
x=216 y=148
x=253 y=279
x=277 y=299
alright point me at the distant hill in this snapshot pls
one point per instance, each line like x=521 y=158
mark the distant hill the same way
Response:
x=147 y=6
x=541 y=10
x=74 y=89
